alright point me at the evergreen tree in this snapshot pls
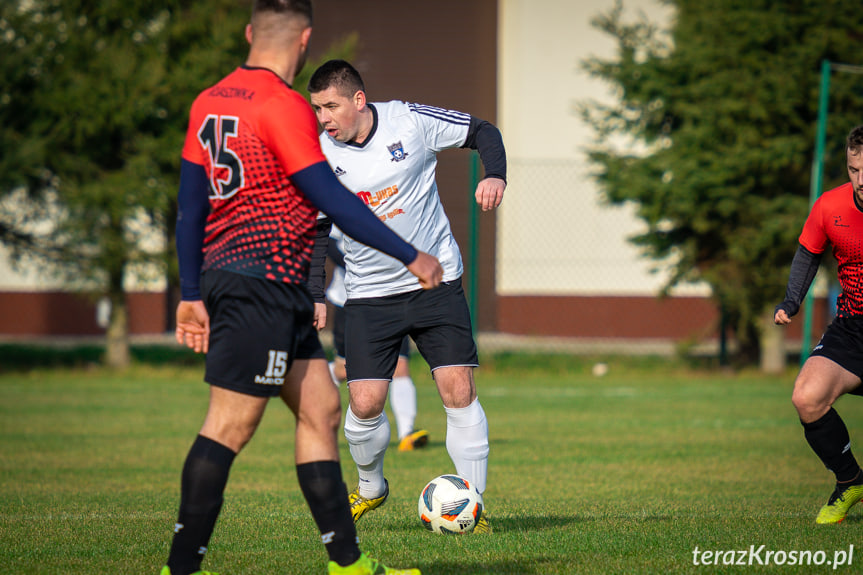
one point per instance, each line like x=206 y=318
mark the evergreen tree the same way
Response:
x=711 y=135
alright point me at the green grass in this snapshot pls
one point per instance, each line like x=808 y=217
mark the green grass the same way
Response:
x=627 y=473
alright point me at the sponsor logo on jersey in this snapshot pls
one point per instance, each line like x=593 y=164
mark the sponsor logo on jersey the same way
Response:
x=392 y=214
x=398 y=152
x=837 y=221
x=339 y=171
x=374 y=199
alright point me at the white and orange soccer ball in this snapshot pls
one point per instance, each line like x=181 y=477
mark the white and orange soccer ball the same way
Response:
x=449 y=504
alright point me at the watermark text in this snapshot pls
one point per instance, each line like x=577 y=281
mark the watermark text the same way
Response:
x=760 y=555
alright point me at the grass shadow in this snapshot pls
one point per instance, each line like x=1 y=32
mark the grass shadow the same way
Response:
x=464 y=566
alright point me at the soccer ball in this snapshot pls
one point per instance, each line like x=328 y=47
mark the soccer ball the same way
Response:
x=449 y=504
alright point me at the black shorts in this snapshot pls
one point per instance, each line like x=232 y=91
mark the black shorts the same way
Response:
x=338 y=325
x=842 y=342
x=258 y=328
x=438 y=321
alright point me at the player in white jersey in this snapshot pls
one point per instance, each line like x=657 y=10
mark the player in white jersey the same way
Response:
x=386 y=153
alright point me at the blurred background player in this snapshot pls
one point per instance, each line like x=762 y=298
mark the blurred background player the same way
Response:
x=402 y=393
x=835 y=366
x=386 y=153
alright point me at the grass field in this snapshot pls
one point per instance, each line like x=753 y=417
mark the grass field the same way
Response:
x=626 y=473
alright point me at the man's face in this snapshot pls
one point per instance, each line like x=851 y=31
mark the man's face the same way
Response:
x=855 y=172
x=338 y=115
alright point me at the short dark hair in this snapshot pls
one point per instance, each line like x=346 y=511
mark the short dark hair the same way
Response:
x=338 y=73
x=298 y=7
x=854 y=143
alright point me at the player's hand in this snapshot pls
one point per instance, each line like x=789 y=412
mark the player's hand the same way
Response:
x=193 y=326
x=427 y=269
x=320 y=321
x=489 y=193
x=781 y=317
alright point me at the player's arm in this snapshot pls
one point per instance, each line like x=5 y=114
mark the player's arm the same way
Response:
x=347 y=211
x=486 y=139
x=318 y=271
x=193 y=206
x=804 y=266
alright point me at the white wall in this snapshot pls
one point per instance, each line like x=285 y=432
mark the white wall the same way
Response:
x=554 y=237
x=24 y=280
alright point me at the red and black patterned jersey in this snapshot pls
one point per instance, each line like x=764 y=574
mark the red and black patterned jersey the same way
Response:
x=836 y=219
x=250 y=132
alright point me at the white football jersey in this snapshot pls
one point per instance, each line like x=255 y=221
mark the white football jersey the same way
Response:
x=393 y=172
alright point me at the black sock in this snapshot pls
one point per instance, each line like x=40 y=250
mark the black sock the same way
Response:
x=205 y=475
x=327 y=496
x=828 y=438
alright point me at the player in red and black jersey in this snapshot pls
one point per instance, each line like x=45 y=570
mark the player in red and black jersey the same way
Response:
x=835 y=366
x=252 y=181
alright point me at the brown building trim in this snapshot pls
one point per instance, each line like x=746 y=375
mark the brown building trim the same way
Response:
x=618 y=317
x=65 y=313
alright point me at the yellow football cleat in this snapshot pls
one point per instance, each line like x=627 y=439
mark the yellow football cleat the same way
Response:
x=167 y=571
x=365 y=565
x=843 y=499
x=414 y=440
x=359 y=504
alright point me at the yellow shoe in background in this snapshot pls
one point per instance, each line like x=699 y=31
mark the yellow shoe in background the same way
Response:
x=414 y=440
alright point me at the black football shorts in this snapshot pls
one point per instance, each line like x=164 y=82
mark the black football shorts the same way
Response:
x=438 y=320
x=338 y=326
x=258 y=328
x=842 y=342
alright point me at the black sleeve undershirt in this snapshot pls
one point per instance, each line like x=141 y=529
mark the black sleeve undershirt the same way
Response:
x=485 y=138
x=317 y=270
x=804 y=266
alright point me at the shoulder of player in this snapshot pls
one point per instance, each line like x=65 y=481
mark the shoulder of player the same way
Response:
x=257 y=86
x=391 y=109
x=286 y=97
x=837 y=194
x=399 y=112
x=437 y=113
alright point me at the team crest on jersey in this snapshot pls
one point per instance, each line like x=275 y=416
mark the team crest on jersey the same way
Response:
x=339 y=172
x=398 y=152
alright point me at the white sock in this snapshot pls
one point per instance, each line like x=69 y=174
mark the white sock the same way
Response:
x=403 y=401
x=368 y=440
x=467 y=442
x=331 y=366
